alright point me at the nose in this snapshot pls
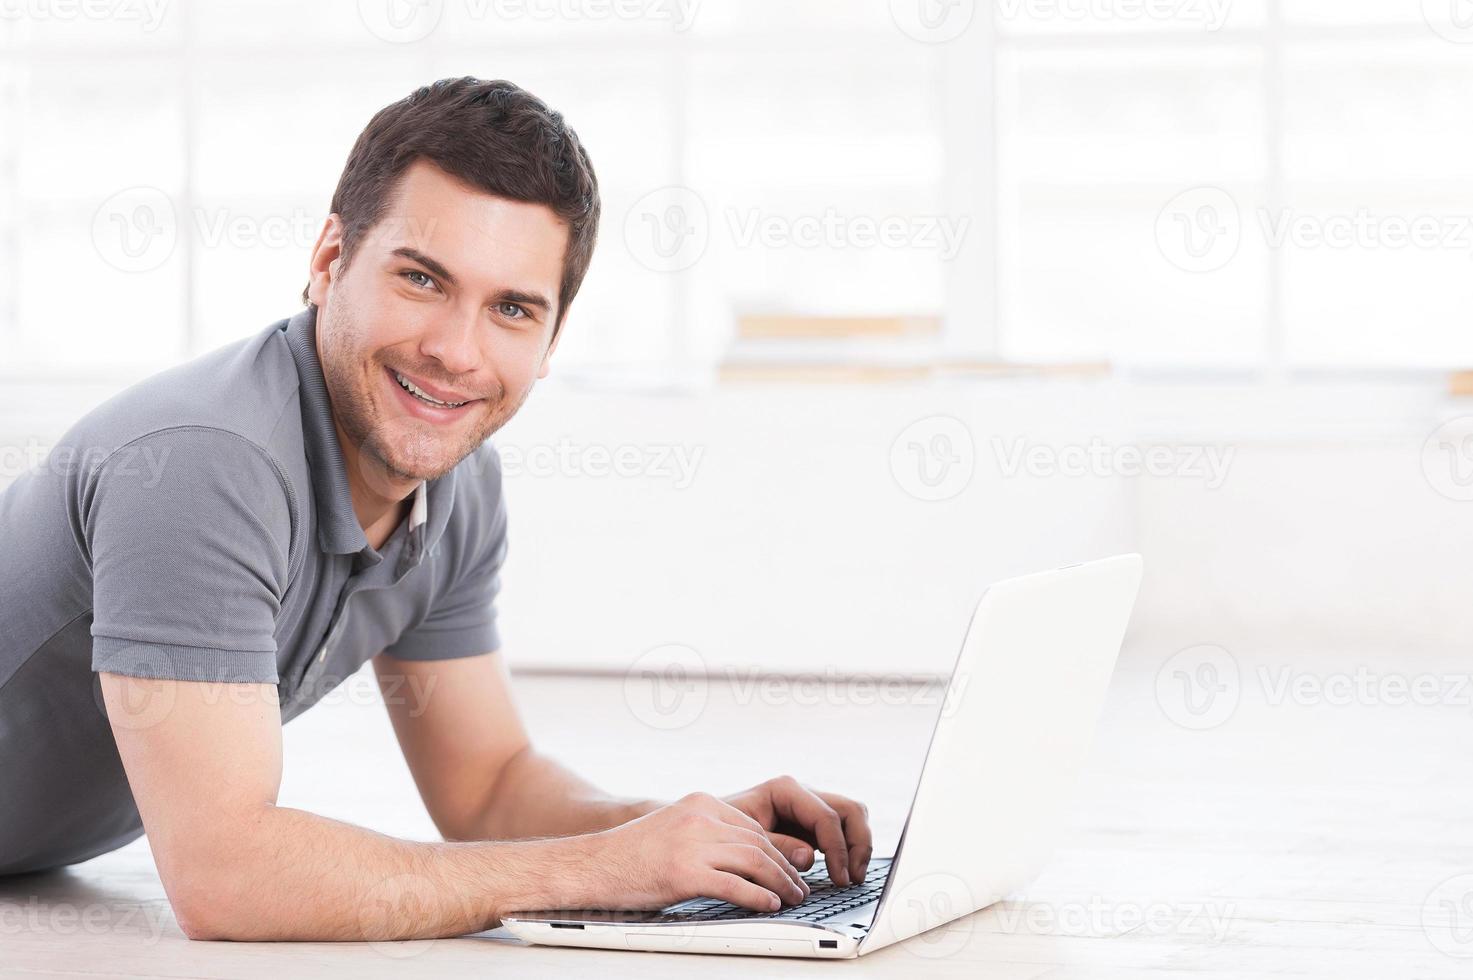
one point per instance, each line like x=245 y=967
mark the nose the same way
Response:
x=453 y=339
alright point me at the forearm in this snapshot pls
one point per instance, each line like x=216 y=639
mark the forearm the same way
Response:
x=286 y=874
x=536 y=796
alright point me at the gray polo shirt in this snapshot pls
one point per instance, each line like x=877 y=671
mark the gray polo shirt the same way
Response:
x=198 y=526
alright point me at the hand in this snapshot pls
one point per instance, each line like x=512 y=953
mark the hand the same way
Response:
x=797 y=819
x=696 y=846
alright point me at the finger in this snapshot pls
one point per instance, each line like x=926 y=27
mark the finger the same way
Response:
x=754 y=863
x=796 y=850
x=855 y=818
x=760 y=839
x=738 y=891
x=802 y=806
x=736 y=818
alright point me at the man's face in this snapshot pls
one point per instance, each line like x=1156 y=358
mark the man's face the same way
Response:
x=453 y=293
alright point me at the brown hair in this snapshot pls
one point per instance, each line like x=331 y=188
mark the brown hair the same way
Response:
x=492 y=135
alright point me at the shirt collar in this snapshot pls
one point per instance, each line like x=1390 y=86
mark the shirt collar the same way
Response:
x=338 y=531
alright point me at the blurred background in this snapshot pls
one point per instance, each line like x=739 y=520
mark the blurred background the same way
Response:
x=892 y=297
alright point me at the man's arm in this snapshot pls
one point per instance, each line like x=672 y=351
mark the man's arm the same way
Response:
x=480 y=777
x=473 y=761
x=204 y=764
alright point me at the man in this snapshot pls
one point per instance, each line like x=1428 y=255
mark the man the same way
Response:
x=204 y=556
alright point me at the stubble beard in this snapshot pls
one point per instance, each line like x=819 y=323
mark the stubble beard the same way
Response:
x=419 y=454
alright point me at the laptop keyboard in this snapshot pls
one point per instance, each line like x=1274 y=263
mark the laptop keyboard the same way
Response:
x=826 y=899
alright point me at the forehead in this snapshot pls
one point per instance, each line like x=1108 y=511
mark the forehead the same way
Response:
x=475 y=234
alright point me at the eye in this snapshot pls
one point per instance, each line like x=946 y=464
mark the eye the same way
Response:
x=511 y=311
x=415 y=276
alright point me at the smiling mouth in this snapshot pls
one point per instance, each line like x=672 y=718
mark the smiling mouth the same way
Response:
x=423 y=396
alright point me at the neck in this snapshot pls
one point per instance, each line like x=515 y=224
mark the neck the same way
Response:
x=380 y=499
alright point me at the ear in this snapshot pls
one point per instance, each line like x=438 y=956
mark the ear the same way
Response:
x=325 y=255
x=547 y=355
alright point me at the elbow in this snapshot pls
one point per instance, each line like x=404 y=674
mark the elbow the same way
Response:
x=214 y=883
x=208 y=903
x=199 y=922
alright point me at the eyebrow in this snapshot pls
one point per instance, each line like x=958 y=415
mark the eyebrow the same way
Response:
x=505 y=296
x=415 y=255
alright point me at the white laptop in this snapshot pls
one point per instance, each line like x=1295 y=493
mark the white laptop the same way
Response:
x=1019 y=716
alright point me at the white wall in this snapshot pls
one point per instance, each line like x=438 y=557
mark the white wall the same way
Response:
x=795 y=546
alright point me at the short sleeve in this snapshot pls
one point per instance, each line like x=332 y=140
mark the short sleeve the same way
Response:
x=188 y=532
x=462 y=620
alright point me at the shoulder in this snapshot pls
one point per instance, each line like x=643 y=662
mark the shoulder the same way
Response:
x=242 y=389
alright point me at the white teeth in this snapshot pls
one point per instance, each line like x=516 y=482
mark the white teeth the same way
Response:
x=409 y=386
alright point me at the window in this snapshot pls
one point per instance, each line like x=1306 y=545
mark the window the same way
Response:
x=1199 y=184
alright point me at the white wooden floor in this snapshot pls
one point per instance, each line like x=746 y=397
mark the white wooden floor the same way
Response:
x=1317 y=830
